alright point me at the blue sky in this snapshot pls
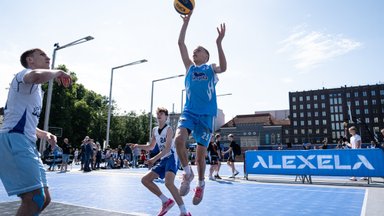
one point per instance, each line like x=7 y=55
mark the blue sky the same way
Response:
x=273 y=47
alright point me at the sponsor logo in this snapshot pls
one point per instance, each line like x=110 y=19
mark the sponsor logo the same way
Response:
x=329 y=162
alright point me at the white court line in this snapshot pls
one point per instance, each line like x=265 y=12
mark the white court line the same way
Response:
x=364 y=207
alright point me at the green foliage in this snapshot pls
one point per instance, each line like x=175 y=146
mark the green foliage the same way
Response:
x=81 y=112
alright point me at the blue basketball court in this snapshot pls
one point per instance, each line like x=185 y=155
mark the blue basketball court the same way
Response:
x=120 y=192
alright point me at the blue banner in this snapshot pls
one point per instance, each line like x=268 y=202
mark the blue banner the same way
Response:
x=328 y=162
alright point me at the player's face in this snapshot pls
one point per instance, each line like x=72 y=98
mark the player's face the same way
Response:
x=200 y=55
x=161 y=117
x=39 y=60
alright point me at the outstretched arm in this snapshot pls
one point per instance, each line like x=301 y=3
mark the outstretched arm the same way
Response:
x=183 y=48
x=222 y=60
x=38 y=76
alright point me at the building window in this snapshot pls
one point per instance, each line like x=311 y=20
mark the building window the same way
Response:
x=294 y=107
x=293 y=99
x=366 y=111
x=357 y=103
x=309 y=114
x=365 y=102
x=301 y=123
x=316 y=122
x=308 y=98
x=294 y=115
x=374 y=102
x=316 y=106
x=309 y=122
x=364 y=94
x=301 y=107
x=302 y=131
x=324 y=122
x=308 y=106
x=295 y=131
x=309 y=131
x=301 y=98
x=294 y=123
x=356 y=94
x=316 y=114
x=348 y=95
x=324 y=114
x=314 y=97
x=357 y=111
x=373 y=93
x=322 y=97
x=301 y=114
x=367 y=120
x=323 y=105
x=376 y=120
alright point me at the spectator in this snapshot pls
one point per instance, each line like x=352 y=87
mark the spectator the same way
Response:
x=65 y=156
x=231 y=157
x=355 y=143
x=219 y=151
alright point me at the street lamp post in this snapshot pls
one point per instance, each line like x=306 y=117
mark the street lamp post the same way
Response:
x=50 y=84
x=150 y=111
x=110 y=94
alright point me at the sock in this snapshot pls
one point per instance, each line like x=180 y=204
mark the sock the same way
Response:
x=187 y=170
x=182 y=209
x=201 y=183
x=163 y=198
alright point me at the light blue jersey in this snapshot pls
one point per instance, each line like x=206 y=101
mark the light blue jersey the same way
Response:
x=200 y=83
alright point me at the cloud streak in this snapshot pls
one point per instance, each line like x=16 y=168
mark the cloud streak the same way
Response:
x=308 y=49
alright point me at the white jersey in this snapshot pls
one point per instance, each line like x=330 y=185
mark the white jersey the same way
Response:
x=354 y=139
x=23 y=107
x=161 y=139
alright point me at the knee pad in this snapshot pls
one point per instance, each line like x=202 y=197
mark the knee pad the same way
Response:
x=39 y=199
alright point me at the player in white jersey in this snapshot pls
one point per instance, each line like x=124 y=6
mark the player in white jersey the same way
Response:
x=167 y=167
x=200 y=108
x=21 y=169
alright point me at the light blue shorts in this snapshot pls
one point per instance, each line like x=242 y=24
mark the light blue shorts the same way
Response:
x=21 y=169
x=200 y=125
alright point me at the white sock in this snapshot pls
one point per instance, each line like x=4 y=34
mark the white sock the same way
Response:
x=187 y=170
x=182 y=209
x=201 y=183
x=163 y=198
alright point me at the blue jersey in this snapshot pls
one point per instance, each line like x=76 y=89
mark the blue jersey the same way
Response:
x=200 y=83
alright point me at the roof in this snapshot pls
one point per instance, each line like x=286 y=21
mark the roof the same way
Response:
x=263 y=118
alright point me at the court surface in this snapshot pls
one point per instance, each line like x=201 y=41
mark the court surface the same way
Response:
x=120 y=192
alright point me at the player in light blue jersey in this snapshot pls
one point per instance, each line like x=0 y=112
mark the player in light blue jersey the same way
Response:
x=200 y=108
x=21 y=169
x=162 y=137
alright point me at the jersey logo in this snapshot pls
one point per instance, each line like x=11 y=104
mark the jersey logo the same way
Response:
x=36 y=111
x=197 y=76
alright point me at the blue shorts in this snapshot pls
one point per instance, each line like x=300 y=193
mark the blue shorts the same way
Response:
x=167 y=164
x=21 y=169
x=65 y=158
x=200 y=125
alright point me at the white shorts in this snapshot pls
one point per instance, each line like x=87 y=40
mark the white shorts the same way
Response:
x=21 y=168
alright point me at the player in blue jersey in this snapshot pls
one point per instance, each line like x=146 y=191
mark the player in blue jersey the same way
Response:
x=21 y=169
x=162 y=137
x=200 y=108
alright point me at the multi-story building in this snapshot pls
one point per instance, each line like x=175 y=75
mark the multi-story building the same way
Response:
x=316 y=115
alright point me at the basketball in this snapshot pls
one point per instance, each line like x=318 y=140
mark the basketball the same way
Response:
x=184 y=6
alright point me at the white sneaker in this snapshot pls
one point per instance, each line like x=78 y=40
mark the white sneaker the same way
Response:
x=353 y=179
x=185 y=184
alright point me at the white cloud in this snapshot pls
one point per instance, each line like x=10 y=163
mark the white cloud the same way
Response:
x=307 y=49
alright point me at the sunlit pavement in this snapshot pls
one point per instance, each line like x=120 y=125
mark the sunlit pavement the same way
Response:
x=120 y=192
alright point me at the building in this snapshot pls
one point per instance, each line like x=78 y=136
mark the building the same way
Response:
x=316 y=115
x=254 y=131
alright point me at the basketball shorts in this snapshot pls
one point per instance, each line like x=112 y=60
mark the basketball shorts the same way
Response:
x=21 y=169
x=200 y=125
x=167 y=164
